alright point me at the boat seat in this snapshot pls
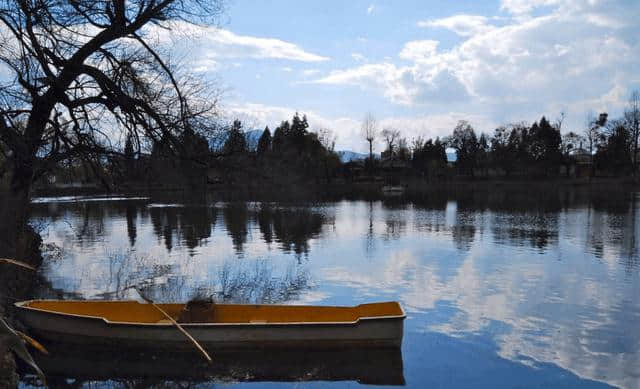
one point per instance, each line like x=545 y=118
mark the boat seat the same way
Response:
x=164 y=321
x=196 y=311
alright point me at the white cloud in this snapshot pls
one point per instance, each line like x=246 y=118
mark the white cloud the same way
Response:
x=286 y=69
x=204 y=65
x=463 y=25
x=407 y=85
x=535 y=322
x=255 y=115
x=384 y=76
x=519 y=7
x=213 y=44
x=254 y=47
x=310 y=72
x=572 y=53
x=358 y=57
x=371 y=8
x=419 y=51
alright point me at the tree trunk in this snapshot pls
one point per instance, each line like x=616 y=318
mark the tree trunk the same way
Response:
x=636 y=133
x=15 y=234
x=18 y=241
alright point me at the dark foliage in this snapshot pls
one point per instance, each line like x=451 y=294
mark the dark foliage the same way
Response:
x=264 y=143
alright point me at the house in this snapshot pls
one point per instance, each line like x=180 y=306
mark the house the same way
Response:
x=582 y=163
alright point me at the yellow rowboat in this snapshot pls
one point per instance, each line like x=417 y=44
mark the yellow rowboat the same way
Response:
x=134 y=325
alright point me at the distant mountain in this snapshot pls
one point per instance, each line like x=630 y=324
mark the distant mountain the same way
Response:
x=348 y=156
x=252 y=137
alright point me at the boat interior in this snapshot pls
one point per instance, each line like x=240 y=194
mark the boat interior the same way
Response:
x=207 y=312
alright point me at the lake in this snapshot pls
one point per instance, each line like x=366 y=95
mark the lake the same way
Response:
x=502 y=289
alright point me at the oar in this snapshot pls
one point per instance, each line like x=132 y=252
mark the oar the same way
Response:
x=175 y=323
x=17 y=263
x=16 y=342
x=32 y=342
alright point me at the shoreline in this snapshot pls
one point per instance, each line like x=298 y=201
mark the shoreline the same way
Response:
x=300 y=190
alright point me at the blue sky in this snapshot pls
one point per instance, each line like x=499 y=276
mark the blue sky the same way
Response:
x=418 y=66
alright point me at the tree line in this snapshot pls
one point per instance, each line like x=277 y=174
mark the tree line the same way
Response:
x=292 y=153
x=605 y=147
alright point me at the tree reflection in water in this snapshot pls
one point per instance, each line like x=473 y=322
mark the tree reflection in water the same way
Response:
x=258 y=285
x=237 y=281
x=189 y=224
x=236 y=218
x=294 y=227
x=528 y=270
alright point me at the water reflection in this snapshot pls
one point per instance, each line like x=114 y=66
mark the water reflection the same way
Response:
x=233 y=281
x=190 y=225
x=132 y=216
x=545 y=282
x=74 y=367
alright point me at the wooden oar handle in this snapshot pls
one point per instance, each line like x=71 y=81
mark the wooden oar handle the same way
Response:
x=173 y=321
x=195 y=343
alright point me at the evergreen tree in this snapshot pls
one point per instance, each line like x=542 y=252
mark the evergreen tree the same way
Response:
x=279 y=137
x=194 y=154
x=465 y=141
x=430 y=158
x=298 y=130
x=544 y=145
x=614 y=155
x=517 y=151
x=500 y=150
x=236 y=142
x=264 y=143
x=440 y=152
x=482 y=157
x=193 y=145
x=129 y=156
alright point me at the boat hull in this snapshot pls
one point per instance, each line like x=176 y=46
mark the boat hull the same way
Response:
x=74 y=329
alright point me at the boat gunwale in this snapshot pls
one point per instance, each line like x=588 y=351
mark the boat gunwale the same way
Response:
x=24 y=305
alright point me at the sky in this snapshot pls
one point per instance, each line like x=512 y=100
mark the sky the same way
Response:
x=417 y=65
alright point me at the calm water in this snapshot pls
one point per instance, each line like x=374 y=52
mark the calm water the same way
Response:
x=501 y=289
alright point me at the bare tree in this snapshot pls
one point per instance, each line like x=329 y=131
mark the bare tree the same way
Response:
x=559 y=120
x=403 y=149
x=327 y=138
x=85 y=72
x=632 y=119
x=390 y=137
x=593 y=133
x=417 y=144
x=370 y=131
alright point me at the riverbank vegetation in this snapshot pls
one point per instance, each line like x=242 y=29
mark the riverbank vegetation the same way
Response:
x=294 y=155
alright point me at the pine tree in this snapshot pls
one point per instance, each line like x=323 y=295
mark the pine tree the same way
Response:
x=465 y=142
x=129 y=157
x=441 y=152
x=298 y=130
x=236 y=142
x=264 y=143
x=279 y=137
